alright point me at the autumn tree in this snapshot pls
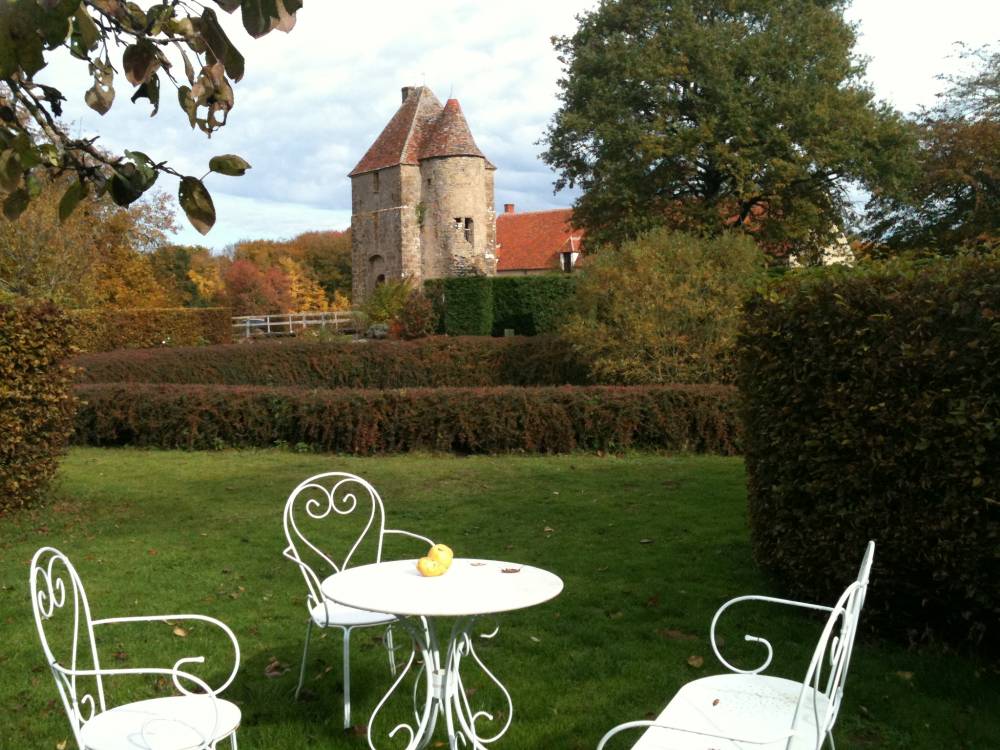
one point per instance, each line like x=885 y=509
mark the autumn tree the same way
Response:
x=699 y=114
x=252 y=291
x=951 y=201
x=149 y=46
x=98 y=257
x=173 y=266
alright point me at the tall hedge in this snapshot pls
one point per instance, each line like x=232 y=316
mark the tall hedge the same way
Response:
x=531 y=305
x=431 y=362
x=106 y=330
x=36 y=405
x=468 y=420
x=468 y=307
x=872 y=410
x=483 y=305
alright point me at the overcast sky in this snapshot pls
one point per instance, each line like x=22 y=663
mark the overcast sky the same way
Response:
x=313 y=101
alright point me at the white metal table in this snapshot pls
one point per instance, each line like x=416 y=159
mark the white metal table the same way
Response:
x=469 y=589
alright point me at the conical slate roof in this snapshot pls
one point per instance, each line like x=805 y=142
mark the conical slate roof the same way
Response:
x=421 y=129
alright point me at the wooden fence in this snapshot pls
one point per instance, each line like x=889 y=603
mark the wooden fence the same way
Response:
x=287 y=324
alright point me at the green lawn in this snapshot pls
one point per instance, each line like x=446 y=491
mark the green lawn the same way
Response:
x=648 y=547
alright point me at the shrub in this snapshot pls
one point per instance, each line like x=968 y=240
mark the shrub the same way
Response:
x=36 y=407
x=531 y=305
x=438 y=361
x=386 y=301
x=105 y=330
x=664 y=308
x=494 y=420
x=872 y=411
x=416 y=319
x=468 y=309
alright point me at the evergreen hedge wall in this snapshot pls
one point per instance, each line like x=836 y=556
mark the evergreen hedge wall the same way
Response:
x=36 y=406
x=483 y=305
x=365 y=422
x=872 y=410
x=106 y=330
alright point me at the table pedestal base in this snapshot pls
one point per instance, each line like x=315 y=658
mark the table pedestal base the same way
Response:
x=446 y=696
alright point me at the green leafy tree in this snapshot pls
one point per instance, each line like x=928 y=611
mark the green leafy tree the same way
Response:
x=701 y=114
x=142 y=44
x=664 y=308
x=951 y=201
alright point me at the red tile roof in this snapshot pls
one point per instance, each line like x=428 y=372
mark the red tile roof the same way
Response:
x=532 y=241
x=421 y=129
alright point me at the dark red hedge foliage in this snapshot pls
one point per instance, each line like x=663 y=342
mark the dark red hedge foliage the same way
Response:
x=365 y=422
x=872 y=410
x=439 y=361
x=36 y=402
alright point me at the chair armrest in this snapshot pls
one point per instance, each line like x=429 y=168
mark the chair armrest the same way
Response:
x=194 y=659
x=410 y=534
x=753 y=638
x=649 y=724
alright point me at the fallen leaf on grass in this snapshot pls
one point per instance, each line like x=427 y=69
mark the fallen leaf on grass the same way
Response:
x=180 y=632
x=61 y=745
x=645 y=541
x=615 y=615
x=120 y=656
x=696 y=661
x=905 y=675
x=275 y=668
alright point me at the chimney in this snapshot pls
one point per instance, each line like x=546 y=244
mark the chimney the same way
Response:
x=508 y=208
x=407 y=90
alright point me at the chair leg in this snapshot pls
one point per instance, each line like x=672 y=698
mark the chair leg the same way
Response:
x=391 y=648
x=302 y=669
x=347 y=678
x=233 y=736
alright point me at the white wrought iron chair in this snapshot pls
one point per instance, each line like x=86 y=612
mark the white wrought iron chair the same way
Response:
x=326 y=497
x=748 y=709
x=197 y=719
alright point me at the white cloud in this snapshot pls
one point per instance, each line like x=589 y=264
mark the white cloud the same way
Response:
x=313 y=101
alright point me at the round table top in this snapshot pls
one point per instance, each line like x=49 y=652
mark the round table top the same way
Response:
x=469 y=587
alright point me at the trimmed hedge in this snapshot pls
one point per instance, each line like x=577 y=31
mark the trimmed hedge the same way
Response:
x=531 y=305
x=107 y=330
x=873 y=411
x=432 y=362
x=468 y=306
x=36 y=405
x=365 y=422
x=482 y=305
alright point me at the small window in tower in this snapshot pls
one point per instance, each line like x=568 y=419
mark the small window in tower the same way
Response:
x=380 y=279
x=469 y=237
x=567 y=262
x=375 y=182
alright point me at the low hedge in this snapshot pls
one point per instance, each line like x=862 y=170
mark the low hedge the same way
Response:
x=36 y=404
x=431 y=362
x=873 y=411
x=107 y=330
x=365 y=422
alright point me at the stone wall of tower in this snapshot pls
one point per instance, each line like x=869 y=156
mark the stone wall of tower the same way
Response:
x=456 y=188
x=376 y=229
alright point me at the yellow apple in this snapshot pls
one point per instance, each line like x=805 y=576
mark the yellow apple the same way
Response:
x=430 y=568
x=442 y=553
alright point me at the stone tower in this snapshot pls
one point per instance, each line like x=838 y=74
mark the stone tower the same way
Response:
x=422 y=199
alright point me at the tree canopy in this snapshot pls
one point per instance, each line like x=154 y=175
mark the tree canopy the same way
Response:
x=951 y=199
x=113 y=37
x=702 y=114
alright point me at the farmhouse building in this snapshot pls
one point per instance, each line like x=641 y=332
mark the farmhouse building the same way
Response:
x=537 y=242
x=422 y=199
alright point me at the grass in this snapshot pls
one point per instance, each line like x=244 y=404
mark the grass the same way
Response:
x=648 y=547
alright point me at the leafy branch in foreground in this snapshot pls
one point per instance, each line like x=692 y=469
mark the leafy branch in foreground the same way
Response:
x=114 y=37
